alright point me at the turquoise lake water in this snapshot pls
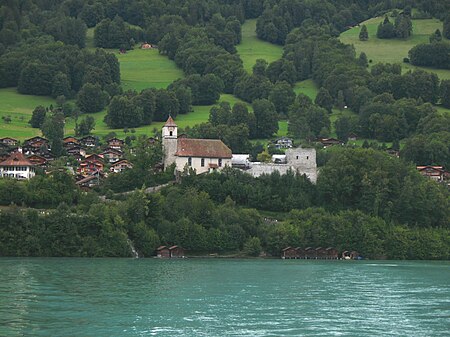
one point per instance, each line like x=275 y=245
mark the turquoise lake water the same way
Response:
x=215 y=297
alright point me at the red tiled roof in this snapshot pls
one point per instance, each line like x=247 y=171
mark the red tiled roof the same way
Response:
x=16 y=159
x=209 y=148
x=170 y=122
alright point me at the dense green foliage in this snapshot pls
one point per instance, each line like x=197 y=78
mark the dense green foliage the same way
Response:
x=435 y=55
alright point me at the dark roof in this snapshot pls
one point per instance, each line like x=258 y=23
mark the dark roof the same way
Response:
x=209 y=148
x=170 y=122
x=16 y=159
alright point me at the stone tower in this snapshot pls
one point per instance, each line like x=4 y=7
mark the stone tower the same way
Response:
x=169 y=142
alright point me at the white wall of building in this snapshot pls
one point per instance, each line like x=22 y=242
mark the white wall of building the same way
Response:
x=17 y=172
x=196 y=163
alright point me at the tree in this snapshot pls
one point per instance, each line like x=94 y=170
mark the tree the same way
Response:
x=386 y=29
x=123 y=112
x=282 y=96
x=259 y=68
x=340 y=101
x=36 y=79
x=324 y=99
x=362 y=60
x=166 y=104
x=38 y=117
x=252 y=247
x=445 y=93
x=446 y=30
x=436 y=36
x=363 y=34
x=91 y=98
x=61 y=85
x=85 y=127
x=53 y=129
x=266 y=118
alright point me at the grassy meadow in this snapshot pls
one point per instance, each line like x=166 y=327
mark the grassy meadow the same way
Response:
x=393 y=50
x=251 y=48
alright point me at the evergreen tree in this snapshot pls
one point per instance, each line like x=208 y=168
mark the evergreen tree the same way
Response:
x=446 y=29
x=362 y=60
x=363 y=34
x=445 y=93
x=38 y=117
x=324 y=99
x=53 y=129
x=340 y=101
x=266 y=118
x=436 y=36
x=61 y=85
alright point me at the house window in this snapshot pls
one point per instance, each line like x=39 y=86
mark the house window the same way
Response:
x=203 y=162
x=220 y=162
x=190 y=161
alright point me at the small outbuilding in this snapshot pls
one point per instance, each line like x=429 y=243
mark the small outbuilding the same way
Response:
x=176 y=252
x=310 y=253
x=289 y=253
x=163 y=252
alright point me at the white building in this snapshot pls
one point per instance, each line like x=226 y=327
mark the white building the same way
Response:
x=17 y=166
x=203 y=155
x=298 y=160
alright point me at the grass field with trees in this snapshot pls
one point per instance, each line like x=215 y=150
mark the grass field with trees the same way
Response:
x=393 y=50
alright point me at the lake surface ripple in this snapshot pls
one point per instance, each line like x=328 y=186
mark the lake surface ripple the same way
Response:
x=214 y=297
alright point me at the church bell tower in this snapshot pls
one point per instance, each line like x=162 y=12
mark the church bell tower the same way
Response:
x=169 y=141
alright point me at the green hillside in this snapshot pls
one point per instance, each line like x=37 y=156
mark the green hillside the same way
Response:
x=251 y=48
x=393 y=50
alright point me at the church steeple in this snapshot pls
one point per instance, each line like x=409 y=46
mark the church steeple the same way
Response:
x=169 y=129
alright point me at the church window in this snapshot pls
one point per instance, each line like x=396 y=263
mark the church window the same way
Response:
x=190 y=161
x=171 y=133
x=220 y=162
x=203 y=162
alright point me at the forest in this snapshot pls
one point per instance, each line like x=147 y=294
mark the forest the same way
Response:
x=364 y=199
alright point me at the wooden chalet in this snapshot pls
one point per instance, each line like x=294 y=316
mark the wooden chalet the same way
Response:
x=176 y=252
x=77 y=152
x=352 y=136
x=8 y=141
x=37 y=160
x=436 y=173
x=90 y=181
x=88 y=141
x=310 y=253
x=36 y=142
x=94 y=157
x=321 y=253
x=111 y=155
x=329 y=141
x=115 y=143
x=70 y=141
x=120 y=166
x=163 y=252
x=332 y=253
x=289 y=253
x=87 y=168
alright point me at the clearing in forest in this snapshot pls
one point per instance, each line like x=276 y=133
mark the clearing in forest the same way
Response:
x=251 y=48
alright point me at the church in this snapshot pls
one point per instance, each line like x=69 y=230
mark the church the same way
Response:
x=203 y=155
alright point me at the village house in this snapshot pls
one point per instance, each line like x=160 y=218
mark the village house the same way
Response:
x=17 y=166
x=88 y=141
x=90 y=181
x=162 y=252
x=283 y=143
x=436 y=173
x=202 y=155
x=90 y=165
x=120 y=166
x=37 y=160
x=77 y=152
x=176 y=252
x=326 y=142
x=115 y=143
x=8 y=141
x=70 y=141
x=111 y=155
